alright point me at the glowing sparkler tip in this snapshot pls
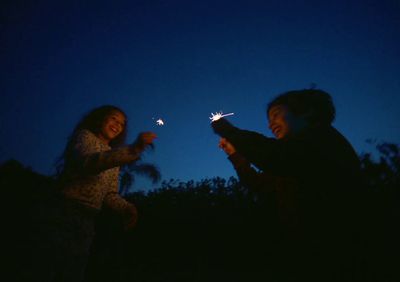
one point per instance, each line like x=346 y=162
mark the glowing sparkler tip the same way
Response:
x=160 y=122
x=218 y=115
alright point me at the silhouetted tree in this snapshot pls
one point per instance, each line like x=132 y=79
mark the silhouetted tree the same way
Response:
x=386 y=171
x=127 y=175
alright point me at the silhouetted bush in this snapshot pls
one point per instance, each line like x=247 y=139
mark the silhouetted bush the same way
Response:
x=204 y=230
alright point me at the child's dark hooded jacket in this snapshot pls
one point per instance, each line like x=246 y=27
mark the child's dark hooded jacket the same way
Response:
x=314 y=175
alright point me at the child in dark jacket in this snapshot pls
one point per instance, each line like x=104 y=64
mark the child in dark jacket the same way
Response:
x=311 y=171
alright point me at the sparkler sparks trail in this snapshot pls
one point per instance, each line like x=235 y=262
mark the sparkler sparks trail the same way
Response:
x=218 y=115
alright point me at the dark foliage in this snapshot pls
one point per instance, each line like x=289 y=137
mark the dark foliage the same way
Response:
x=210 y=230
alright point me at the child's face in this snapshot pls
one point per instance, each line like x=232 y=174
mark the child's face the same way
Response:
x=283 y=123
x=113 y=125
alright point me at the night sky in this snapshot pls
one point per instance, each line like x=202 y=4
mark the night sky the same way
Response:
x=182 y=60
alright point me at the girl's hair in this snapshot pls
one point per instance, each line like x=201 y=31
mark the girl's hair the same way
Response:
x=314 y=104
x=92 y=121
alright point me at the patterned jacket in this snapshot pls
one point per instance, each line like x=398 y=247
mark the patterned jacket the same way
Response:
x=91 y=172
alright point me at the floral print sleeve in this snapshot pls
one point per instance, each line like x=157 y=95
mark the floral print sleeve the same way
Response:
x=91 y=156
x=91 y=173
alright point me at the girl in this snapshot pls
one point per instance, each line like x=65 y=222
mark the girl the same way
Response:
x=88 y=174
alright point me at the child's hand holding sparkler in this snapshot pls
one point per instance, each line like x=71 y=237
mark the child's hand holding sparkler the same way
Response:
x=221 y=126
x=144 y=140
x=147 y=137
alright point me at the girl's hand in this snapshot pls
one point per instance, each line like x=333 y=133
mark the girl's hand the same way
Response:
x=226 y=146
x=145 y=139
x=131 y=217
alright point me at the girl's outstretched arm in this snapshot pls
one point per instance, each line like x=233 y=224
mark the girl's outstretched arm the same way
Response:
x=89 y=155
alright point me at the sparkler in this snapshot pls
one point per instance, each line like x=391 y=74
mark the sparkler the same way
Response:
x=159 y=122
x=218 y=115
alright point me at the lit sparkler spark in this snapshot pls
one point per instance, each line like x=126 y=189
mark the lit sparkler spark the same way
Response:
x=218 y=115
x=160 y=122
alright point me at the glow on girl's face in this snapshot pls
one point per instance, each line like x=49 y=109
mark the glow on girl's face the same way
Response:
x=112 y=126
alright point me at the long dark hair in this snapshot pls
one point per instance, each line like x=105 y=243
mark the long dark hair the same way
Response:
x=92 y=121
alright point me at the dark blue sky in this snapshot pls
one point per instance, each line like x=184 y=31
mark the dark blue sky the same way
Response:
x=182 y=60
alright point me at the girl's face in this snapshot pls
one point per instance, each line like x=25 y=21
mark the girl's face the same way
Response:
x=283 y=123
x=112 y=126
